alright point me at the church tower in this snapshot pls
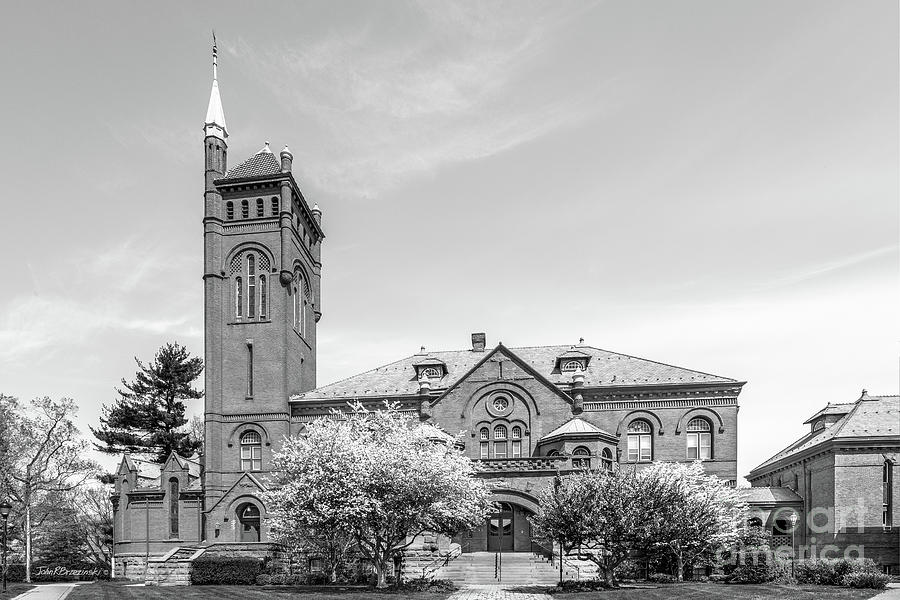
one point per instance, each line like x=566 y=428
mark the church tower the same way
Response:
x=262 y=266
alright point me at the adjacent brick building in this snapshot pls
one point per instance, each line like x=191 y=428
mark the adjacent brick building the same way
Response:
x=844 y=470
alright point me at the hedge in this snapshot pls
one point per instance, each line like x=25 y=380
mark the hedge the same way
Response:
x=867 y=579
x=225 y=570
x=831 y=571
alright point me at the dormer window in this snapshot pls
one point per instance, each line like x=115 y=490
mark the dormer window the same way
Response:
x=571 y=366
x=431 y=373
x=430 y=368
x=819 y=425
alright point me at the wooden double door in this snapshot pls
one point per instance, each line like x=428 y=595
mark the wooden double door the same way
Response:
x=500 y=527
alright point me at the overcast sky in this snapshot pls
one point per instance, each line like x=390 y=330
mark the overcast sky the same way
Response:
x=709 y=184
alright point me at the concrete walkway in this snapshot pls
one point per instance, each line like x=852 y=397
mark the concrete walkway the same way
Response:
x=500 y=592
x=47 y=591
x=892 y=593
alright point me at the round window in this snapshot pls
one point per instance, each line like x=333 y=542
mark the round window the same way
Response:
x=501 y=403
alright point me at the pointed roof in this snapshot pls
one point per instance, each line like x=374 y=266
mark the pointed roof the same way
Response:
x=578 y=428
x=605 y=370
x=215 y=115
x=870 y=416
x=260 y=164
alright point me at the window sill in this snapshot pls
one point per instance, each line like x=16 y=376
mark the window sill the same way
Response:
x=250 y=321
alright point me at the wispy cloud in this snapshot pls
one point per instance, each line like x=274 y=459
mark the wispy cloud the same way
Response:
x=87 y=295
x=399 y=108
x=826 y=268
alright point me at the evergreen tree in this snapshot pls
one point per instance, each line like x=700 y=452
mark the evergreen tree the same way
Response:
x=148 y=417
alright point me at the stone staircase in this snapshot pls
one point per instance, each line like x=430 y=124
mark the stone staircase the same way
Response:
x=173 y=567
x=517 y=568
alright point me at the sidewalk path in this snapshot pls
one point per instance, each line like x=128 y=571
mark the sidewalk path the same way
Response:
x=48 y=591
x=892 y=593
x=501 y=592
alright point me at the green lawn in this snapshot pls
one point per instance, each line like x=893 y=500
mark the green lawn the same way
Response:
x=122 y=591
x=714 y=591
x=14 y=589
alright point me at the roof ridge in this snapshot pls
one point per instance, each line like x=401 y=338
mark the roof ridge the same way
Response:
x=662 y=363
x=355 y=375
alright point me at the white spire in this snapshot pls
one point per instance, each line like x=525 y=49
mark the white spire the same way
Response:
x=215 y=116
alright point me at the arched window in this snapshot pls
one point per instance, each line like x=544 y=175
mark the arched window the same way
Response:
x=245 y=209
x=887 y=493
x=516 y=442
x=517 y=433
x=251 y=285
x=173 y=508
x=251 y=451
x=484 y=434
x=274 y=206
x=500 y=432
x=606 y=459
x=699 y=439
x=260 y=208
x=571 y=365
x=431 y=373
x=581 y=458
x=263 y=296
x=301 y=299
x=238 y=297
x=553 y=453
x=640 y=441
x=229 y=210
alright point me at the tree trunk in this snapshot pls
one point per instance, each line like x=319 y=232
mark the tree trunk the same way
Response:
x=609 y=575
x=27 y=535
x=680 y=566
x=379 y=571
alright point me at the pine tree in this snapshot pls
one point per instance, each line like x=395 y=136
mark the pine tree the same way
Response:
x=148 y=417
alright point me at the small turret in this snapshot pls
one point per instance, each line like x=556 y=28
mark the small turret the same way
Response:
x=287 y=160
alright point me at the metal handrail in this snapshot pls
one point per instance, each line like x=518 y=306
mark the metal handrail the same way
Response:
x=553 y=553
x=442 y=560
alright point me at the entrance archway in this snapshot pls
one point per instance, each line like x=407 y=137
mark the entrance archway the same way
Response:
x=500 y=528
x=248 y=521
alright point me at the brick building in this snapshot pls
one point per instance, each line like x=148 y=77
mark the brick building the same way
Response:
x=843 y=470
x=526 y=413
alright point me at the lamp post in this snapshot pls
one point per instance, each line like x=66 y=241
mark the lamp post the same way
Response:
x=4 y=512
x=793 y=543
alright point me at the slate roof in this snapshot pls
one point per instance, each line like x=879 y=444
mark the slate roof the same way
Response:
x=261 y=163
x=769 y=495
x=831 y=409
x=870 y=416
x=605 y=369
x=575 y=427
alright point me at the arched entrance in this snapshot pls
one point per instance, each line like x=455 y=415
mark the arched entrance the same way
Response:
x=248 y=522
x=501 y=528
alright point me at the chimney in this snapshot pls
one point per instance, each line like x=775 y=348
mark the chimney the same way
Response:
x=478 y=342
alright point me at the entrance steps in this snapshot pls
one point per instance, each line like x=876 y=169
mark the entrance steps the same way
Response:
x=519 y=568
x=173 y=567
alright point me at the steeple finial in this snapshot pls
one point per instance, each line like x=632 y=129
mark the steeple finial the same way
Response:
x=215 y=116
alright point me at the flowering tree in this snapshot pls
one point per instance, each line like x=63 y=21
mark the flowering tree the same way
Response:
x=703 y=511
x=380 y=476
x=601 y=515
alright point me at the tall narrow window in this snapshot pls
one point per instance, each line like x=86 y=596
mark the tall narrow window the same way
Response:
x=245 y=209
x=251 y=285
x=484 y=449
x=263 y=296
x=640 y=441
x=699 y=439
x=260 y=208
x=516 y=449
x=499 y=449
x=274 y=206
x=238 y=297
x=581 y=458
x=251 y=451
x=249 y=370
x=606 y=459
x=173 y=508
x=887 y=480
x=229 y=210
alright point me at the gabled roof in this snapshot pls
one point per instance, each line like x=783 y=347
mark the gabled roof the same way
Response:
x=260 y=164
x=870 y=416
x=831 y=409
x=768 y=495
x=605 y=369
x=577 y=428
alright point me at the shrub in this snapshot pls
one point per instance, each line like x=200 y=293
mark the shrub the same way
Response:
x=662 y=578
x=423 y=584
x=264 y=579
x=630 y=570
x=226 y=570
x=316 y=579
x=831 y=571
x=585 y=585
x=866 y=579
